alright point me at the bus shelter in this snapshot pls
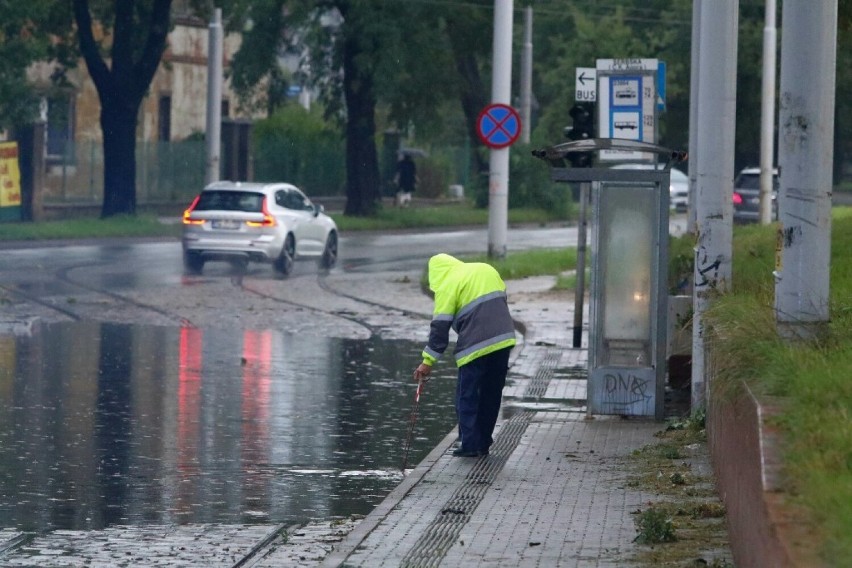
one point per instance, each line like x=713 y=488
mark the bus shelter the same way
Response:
x=629 y=259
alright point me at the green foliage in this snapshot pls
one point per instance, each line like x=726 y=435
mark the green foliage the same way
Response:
x=456 y=215
x=813 y=377
x=299 y=147
x=535 y=262
x=24 y=40
x=654 y=527
x=577 y=36
x=117 y=226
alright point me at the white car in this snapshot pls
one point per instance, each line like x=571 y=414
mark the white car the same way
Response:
x=678 y=185
x=243 y=222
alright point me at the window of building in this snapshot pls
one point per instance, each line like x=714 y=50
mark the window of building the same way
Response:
x=61 y=122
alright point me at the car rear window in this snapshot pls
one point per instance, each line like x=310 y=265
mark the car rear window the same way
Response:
x=230 y=201
x=747 y=181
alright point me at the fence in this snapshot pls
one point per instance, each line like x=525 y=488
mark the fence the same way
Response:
x=166 y=172
x=173 y=172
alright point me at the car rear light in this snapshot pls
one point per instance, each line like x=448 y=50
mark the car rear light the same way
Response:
x=186 y=219
x=738 y=199
x=268 y=220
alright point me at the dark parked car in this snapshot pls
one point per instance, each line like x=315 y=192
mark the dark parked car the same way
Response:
x=747 y=196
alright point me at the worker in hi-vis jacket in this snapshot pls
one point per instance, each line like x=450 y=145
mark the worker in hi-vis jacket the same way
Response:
x=470 y=298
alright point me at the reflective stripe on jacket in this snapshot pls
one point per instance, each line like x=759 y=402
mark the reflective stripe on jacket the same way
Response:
x=470 y=298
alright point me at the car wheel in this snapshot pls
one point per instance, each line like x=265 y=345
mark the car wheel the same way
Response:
x=284 y=263
x=329 y=254
x=193 y=263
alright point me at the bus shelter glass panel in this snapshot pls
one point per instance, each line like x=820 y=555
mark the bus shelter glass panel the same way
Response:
x=625 y=367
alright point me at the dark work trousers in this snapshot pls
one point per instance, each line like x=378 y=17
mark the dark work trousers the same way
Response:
x=478 y=393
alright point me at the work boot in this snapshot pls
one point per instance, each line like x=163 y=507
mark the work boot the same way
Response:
x=460 y=453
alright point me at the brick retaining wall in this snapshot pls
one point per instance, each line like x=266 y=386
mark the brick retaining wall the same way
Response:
x=762 y=526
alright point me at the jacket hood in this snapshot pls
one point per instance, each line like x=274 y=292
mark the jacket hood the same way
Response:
x=439 y=266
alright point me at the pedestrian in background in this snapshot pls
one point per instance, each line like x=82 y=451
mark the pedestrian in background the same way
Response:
x=406 y=180
x=470 y=298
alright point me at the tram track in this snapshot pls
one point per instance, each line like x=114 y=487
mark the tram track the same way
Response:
x=63 y=275
x=325 y=286
x=84 y=289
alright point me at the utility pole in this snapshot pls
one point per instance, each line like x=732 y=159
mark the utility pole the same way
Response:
x=715 y=172
x=805 y=158
x=213 y=134
x=693 y=115
x=767 y=117
x=526 y=76
x=501 y=93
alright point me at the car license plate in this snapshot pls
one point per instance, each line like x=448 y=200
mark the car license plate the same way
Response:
x=228 y=224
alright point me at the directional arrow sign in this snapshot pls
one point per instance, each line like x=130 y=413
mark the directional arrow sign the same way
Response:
x=586 y=86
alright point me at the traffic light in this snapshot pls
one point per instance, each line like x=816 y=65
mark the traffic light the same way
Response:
x=583 y=127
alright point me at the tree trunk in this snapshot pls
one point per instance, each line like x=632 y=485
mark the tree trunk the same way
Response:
x=118 y=125
x=362 y=162
x=473 y=96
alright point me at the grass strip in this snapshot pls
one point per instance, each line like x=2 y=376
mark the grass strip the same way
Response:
x=811 y=376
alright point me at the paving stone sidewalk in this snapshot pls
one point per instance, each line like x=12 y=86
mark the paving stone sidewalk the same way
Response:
x=553 y=491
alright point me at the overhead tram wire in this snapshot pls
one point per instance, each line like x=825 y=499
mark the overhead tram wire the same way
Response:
x=604 y=10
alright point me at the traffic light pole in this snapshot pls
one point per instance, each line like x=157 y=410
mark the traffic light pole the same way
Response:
x=580 y=287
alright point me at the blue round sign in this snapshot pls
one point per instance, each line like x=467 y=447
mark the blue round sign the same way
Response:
x=498 y=126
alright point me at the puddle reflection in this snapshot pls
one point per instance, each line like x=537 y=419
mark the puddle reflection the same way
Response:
x=104 y=424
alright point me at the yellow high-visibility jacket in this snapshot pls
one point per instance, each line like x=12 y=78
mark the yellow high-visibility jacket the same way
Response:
x=470 y=298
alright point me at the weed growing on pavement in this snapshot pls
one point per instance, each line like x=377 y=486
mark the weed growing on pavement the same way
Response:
x=685 y=506
x=654 y=526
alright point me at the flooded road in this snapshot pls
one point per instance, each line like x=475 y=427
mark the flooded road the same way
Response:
x=105 y=424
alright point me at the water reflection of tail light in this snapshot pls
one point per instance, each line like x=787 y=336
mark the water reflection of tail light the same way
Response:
x=268 y=220
x=255 y=446
x=738 y=199
x=189 y=409
x=186 y=214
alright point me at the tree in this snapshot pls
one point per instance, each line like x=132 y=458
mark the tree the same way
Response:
x=24 y=40
x=359 y=54
x=136 y=32
x=464 y=29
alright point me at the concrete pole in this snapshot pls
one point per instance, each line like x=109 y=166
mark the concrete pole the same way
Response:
x=805 y=158
x=693 y=115
x=501 y=92
x=526 y=76
x=767 y=117
x=715 y=173
x=214 y=97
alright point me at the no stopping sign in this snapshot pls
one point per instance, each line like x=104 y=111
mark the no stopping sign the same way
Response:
x=498 y=126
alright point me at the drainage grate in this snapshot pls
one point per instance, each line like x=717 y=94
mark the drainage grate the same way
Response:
x=442 y=532
x=537 y=387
